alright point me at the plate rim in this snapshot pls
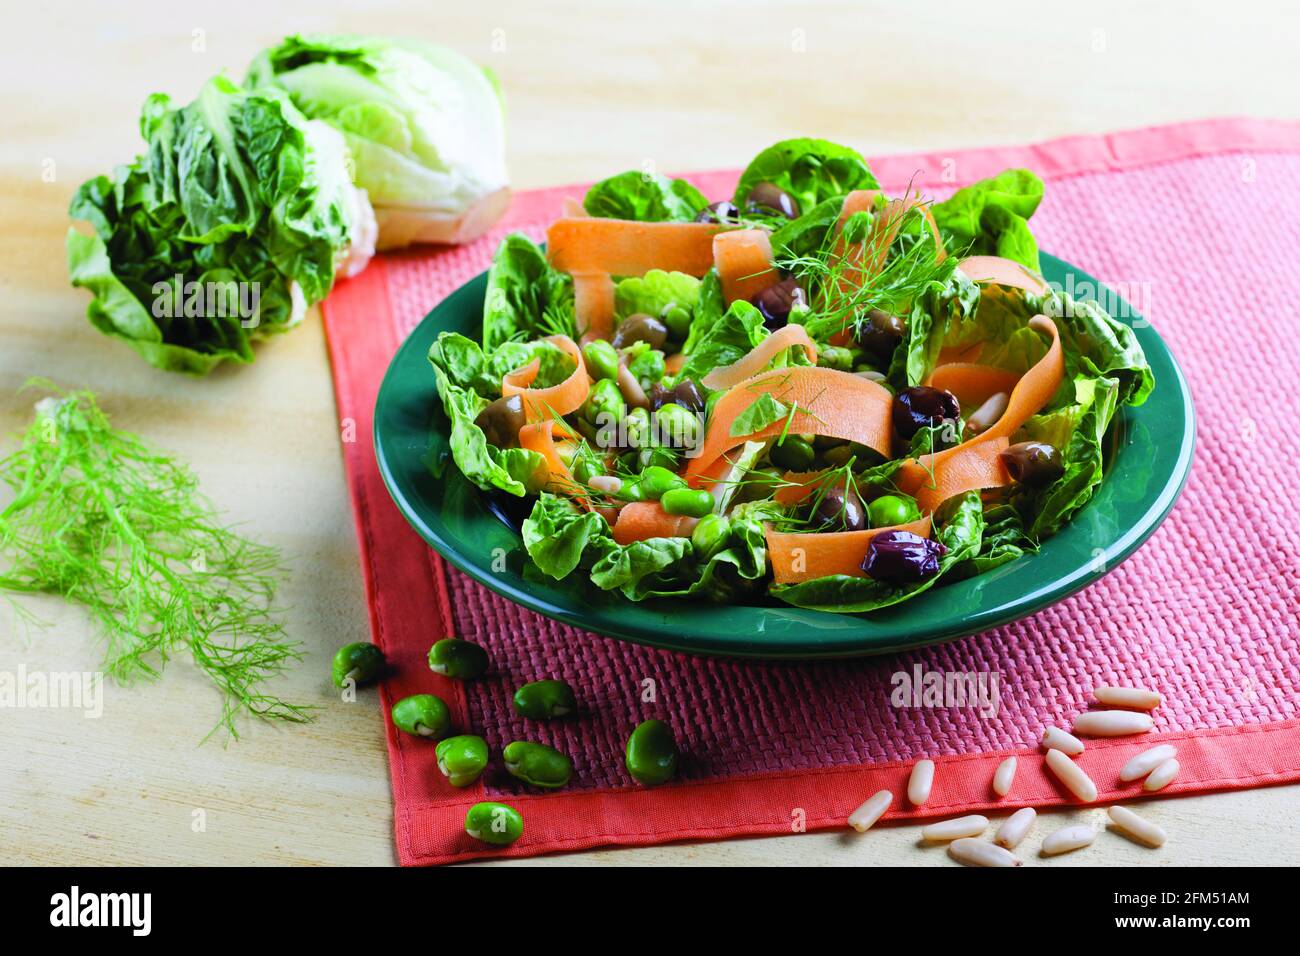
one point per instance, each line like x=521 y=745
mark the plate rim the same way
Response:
x=845 y=643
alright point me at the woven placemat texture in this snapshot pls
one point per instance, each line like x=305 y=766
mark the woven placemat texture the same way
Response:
x=1201 y=225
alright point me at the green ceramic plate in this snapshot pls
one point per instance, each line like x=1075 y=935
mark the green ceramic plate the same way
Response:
x=1150 y=458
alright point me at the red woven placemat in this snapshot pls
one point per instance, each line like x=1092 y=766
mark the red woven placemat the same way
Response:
x=1203 y=219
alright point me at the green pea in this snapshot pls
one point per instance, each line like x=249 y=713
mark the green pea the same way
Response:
x=836 y=357
x=792 y=453
x=461 y=759
x=543 y=699
x=601 y=359
x=888 y=510
x=656 y=480
x=496 y=823
x=423 y=715
x=687 y=501
x=452 y=657
x=678 y=320
x=538 y=764
x=710 y=535
x=604 y=404
x=362 y=662
x=651 y=753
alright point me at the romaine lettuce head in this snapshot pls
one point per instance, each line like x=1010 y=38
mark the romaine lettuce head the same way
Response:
x=235 y=221
x=426 y=128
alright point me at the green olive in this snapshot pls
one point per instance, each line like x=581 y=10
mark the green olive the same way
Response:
x=759 y=484
x=423 y=715
x=452 y=657
x=889 y=510
x=538 y=764
x=496 y=823
x=792 y=453
x=601 y=359
x=695 y=503
x=1033 y=463
x=588 y=467
x=651 y=753
x=543 y=699
x=362 y=662
x=710 y=535
x=500 y=422
x=656 y=480
x=462 y=759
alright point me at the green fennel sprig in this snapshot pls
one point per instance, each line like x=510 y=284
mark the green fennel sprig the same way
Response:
x=105 y=521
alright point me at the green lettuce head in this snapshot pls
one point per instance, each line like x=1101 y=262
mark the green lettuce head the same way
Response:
x=425 y=127
x=235 y=220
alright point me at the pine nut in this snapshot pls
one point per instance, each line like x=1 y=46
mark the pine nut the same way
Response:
x=864 y=817
x=978 y=853
x=1142 y=764
x=1015 y=827
x=1143 y=831
x=988 y=413
x=1162 y=776
x=1005 y=775
x=1139 y=698
x=605 y=484
x=1072 y=775
x=1066 y=839
x=971 y=826
x=920 y=782
x=1112 y=723
x=1054 y=738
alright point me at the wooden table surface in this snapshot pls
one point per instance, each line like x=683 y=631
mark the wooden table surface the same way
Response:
x=592 y=90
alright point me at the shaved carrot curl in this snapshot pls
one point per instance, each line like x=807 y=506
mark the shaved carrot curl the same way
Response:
x=757 y=358
x=541 y=404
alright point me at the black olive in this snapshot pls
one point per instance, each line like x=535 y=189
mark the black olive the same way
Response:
x=1033 y=463
x=879 y=333
x=502 y=420
x=722 y=211
x=920 y=405
x=776 y=302
x=839 y=510
x=769 y=199
x=686 y=394
x=640 y=327
x=900 y=557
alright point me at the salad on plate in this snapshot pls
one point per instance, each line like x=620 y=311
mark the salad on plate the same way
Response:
x=809 y=391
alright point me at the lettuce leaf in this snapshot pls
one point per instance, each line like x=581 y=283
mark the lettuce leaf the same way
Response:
x=655 y=293
x=991 y=217
x=726 y=340
x=810 y=170
x=223 y=233
x=525 y=297
x=960 y=529
x=645 y=197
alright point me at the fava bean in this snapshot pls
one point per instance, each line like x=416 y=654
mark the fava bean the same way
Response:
x=496 y=823
x=656 y=480
x=651 y=753
x=452 y=657
x=423 y=715
x=710 y=535
x=538 y=764
x=462 y=759
x=543 y=699
x=695 y=503
x=362 y=662
x=792 y=453
x=601 y=359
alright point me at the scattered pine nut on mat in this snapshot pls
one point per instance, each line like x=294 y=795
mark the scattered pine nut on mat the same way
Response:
x=1138 y=698
x=1068 y=838
x=1112 y=723
x=1162 y=776
x=1004 y=777
x=978 y=853
x=1054 y=738
x=864 y=817
x=1015 y=827
x=969 y=826
x=1072 y=775
x=919 y=784
x=1139 y=765
x=1135 y=827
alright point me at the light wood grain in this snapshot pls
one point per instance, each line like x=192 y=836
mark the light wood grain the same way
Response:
x=593 y=88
